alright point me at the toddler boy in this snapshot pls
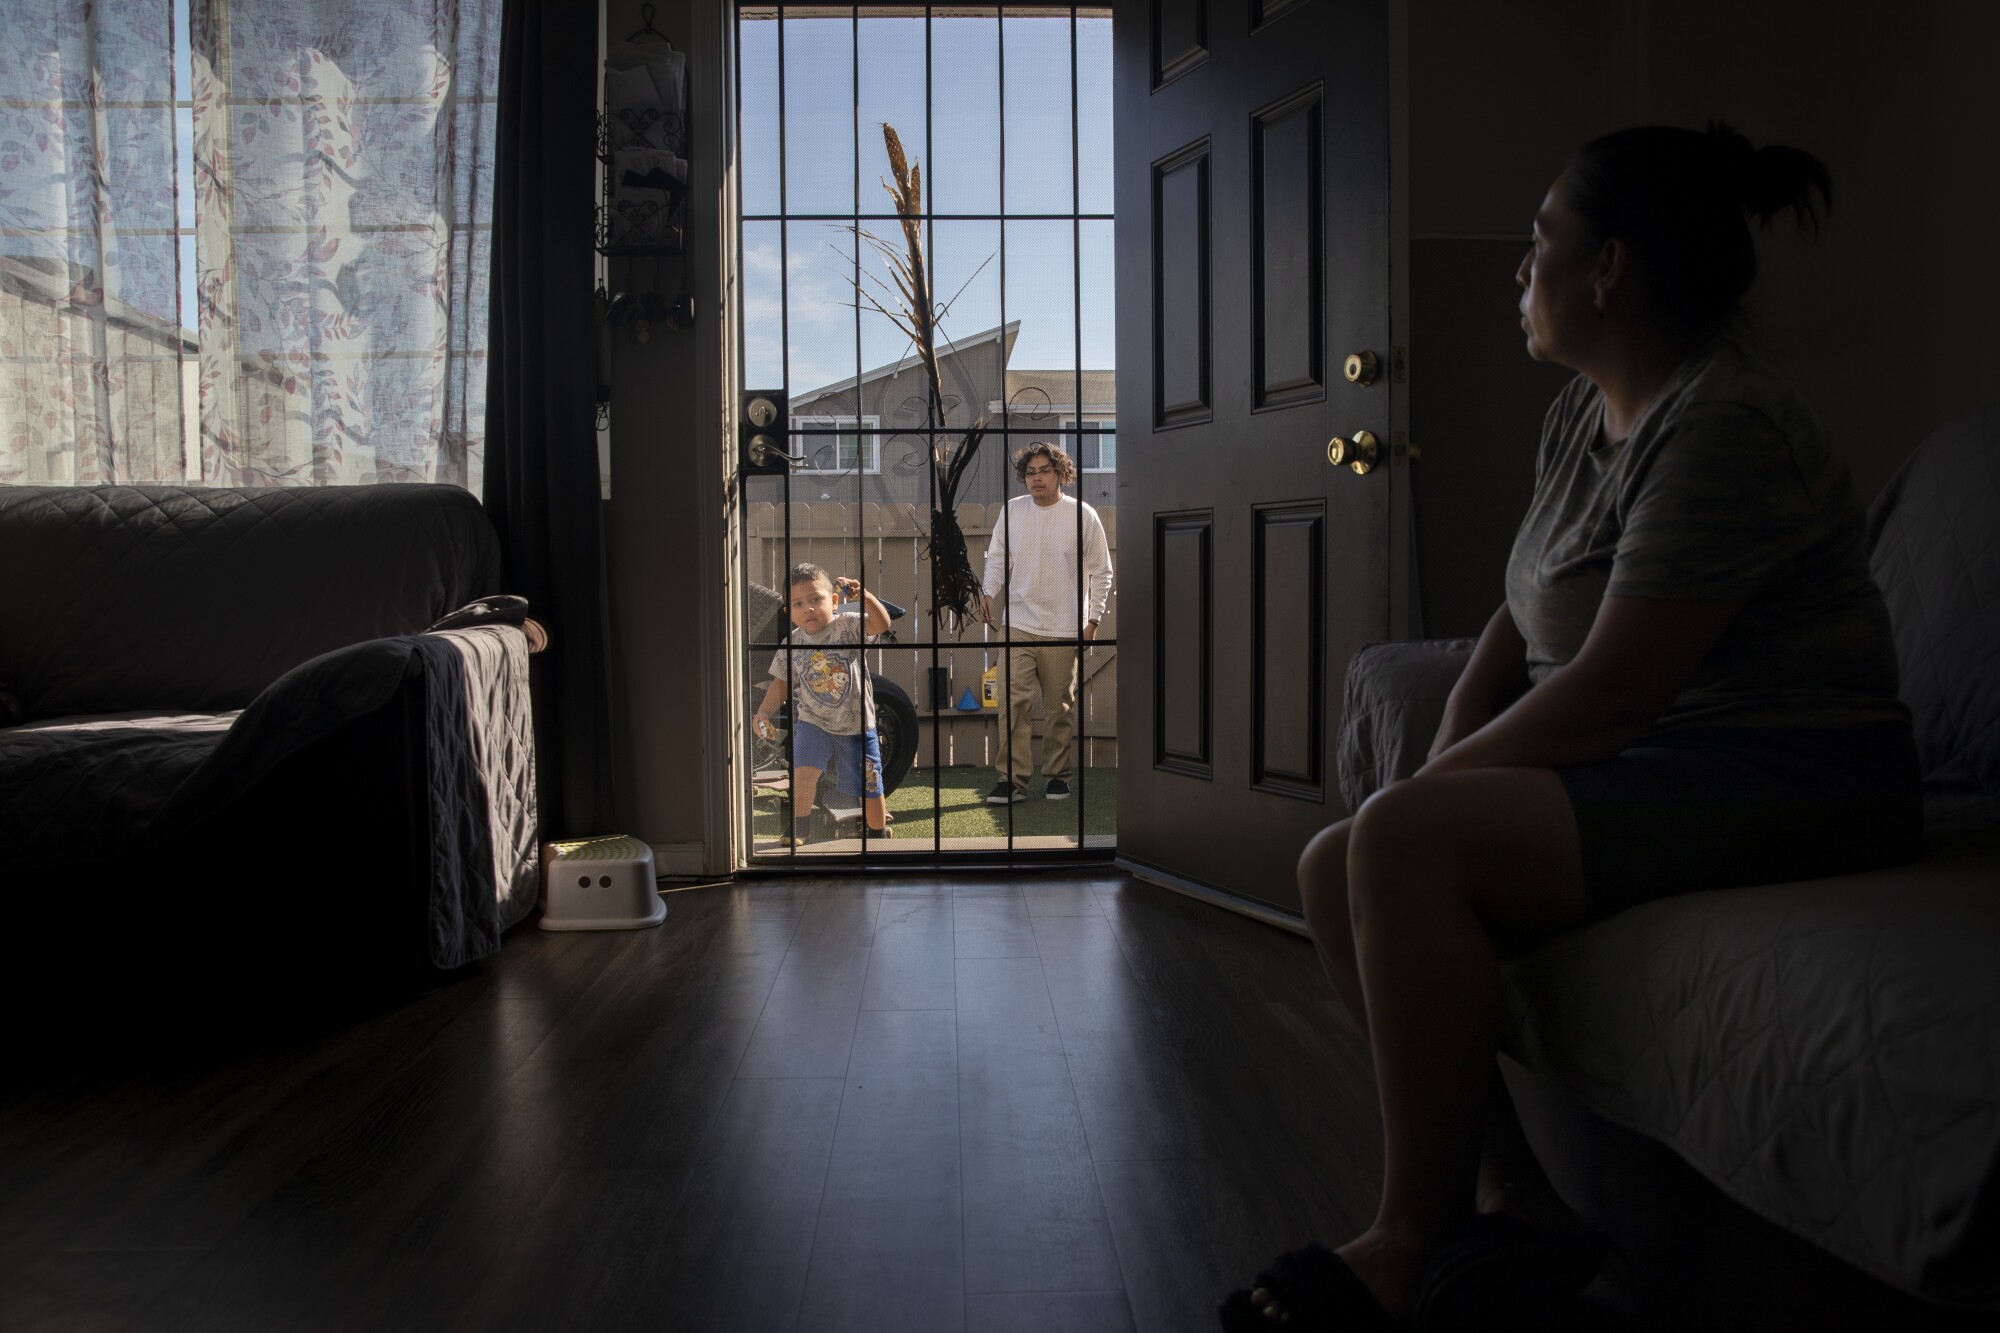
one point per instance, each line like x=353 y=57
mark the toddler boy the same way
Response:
x=833 y=711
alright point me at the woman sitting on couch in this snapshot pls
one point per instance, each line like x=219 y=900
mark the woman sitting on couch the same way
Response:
x=1690 y=685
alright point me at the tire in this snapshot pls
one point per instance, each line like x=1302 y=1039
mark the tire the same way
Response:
x=764 y=618
x=896 y=731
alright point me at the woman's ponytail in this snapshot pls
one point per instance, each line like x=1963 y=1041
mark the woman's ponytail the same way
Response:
x=1779 y=179
x=1680 y=198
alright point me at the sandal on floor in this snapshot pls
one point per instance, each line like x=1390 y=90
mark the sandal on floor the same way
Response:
x=1316 y=1290
x=1496 y=1266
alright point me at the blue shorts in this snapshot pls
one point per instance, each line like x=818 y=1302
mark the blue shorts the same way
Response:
x=859 y=757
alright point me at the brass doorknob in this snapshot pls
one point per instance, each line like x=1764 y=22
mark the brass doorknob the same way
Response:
x=1359 y=453
x=1361 y=369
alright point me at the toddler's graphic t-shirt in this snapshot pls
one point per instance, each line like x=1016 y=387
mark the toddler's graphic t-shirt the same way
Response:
x=827 y=684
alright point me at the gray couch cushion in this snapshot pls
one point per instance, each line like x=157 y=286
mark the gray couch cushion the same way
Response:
x=1936 y=540
x=75 y=788
x=1392 y=707
x=123 y=598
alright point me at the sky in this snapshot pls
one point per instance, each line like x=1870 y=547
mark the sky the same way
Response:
x=1036 y=266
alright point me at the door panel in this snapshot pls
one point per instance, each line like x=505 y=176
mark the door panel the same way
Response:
x=1286 y=197
x=1185 y=615
x=1180 y=37
x=1253 y=241
x=1181 y=338
x=1264 y=11
x=1290 y=670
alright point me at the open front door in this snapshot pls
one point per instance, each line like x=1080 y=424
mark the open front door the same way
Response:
x=1253 y=260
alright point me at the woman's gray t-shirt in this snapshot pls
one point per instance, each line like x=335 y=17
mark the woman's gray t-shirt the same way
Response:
x=1724 y=489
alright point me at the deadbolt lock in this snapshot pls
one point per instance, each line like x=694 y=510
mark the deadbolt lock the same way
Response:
x=1361 y=369
x=1359 y=453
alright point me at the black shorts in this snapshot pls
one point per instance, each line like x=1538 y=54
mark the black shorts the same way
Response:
x=1722 y=807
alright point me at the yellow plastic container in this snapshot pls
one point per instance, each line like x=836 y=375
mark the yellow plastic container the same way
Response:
x=989 y=687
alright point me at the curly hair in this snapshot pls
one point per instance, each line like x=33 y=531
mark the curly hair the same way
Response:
x=1060 y=461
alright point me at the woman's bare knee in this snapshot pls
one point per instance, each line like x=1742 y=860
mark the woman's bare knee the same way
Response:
x=1389 y=824
x=1396 y=851
x=1323 y=878
x=1500 y=842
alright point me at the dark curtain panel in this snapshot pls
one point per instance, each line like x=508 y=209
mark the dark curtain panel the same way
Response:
x=541 y=484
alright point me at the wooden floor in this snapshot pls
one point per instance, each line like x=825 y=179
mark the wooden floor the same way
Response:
x=1040 y=1102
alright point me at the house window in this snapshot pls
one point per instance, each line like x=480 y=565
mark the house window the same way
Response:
x=833 y=445
x=1096 y=443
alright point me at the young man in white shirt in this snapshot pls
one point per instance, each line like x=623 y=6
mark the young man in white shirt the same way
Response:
x=1031 y=562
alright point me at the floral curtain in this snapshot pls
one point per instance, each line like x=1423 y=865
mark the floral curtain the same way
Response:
x=343 y=154
x=92 y=352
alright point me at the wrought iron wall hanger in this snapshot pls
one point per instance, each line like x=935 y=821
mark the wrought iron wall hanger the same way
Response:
x=647 y=30
x=642 y=210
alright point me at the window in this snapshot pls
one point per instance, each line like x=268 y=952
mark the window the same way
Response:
x=848 y=450
x=1096 y=443
x=244 y=242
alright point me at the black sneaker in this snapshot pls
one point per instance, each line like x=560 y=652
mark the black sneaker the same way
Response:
x=1057 y=790
x=1005 y=793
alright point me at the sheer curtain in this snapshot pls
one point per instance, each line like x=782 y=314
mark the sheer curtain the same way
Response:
x=92 y=350
x=342 y=155
x=343 y=176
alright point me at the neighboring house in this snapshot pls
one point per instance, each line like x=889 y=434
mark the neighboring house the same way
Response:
x=865 y=439
x=92 y=370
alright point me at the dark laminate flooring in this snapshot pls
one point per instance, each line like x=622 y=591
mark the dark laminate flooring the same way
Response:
x=1040 y=1102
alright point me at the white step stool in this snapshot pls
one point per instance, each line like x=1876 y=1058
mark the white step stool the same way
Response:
x=600 y=884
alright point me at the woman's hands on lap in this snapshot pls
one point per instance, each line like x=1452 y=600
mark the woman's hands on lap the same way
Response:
x=1640 y=655
x=1497 y=672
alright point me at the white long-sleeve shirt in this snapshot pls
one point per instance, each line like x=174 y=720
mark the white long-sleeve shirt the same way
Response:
x=1031 y=557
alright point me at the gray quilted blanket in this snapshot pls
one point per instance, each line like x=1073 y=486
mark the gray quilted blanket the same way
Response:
x=1826 y=1051
x=481 y=772
x=101 y=787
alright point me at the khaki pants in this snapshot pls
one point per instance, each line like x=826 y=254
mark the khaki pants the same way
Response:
x=1037 y=665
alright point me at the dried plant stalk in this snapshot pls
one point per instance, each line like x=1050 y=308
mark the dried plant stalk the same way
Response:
x=917 y=314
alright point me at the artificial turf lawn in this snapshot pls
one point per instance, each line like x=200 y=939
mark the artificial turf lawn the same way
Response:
x=961 y=805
